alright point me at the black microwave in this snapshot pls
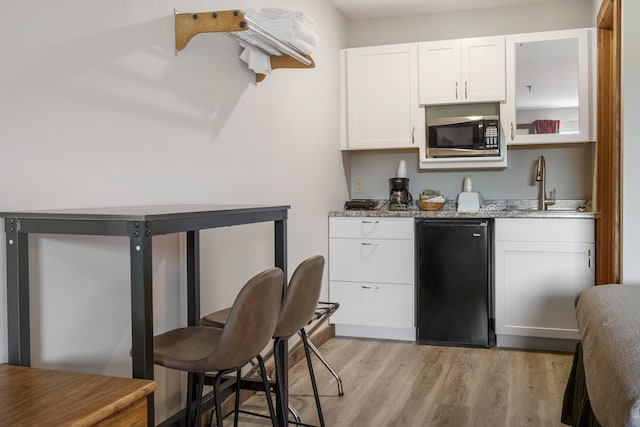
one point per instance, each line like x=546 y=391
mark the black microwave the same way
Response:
x=472 y=136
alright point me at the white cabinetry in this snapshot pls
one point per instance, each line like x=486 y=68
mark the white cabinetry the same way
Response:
x=467 y=70
x=380 y=97
x=549 y=87
x=541 y=265
x=371 y=275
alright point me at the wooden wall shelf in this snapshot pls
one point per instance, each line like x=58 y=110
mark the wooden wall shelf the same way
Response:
x=232 y=22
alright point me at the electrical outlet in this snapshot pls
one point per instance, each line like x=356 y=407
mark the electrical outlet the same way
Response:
x=359 y=185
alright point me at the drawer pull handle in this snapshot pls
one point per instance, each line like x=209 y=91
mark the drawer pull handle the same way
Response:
x=370 y=287
x=369 y=222
x=369 y=244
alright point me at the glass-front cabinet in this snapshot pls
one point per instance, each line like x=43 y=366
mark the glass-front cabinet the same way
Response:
x=549 y=88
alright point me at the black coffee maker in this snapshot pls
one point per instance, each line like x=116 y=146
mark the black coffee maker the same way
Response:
x=400 y=198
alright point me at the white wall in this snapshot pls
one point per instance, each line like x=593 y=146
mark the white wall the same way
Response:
x=630 y=135
x=97 y=110
x=515 y=182
x=545 y=16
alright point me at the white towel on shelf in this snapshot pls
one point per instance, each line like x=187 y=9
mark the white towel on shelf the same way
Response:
x=287 y=13
x=290 y=26
x=249 y=40
x=258 y=61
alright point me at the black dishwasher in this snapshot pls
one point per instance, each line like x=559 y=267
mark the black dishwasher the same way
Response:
x=454 y=278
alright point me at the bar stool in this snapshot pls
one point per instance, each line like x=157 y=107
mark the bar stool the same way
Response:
x=297 y=309
x=249 y=328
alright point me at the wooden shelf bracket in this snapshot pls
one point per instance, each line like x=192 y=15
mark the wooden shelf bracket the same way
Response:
x=235 y=24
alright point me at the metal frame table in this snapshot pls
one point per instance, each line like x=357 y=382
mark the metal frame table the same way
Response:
x=140 y=224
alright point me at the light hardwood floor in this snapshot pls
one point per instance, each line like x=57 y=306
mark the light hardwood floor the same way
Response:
x=404 y=384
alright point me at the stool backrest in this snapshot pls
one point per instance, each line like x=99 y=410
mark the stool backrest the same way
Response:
x=252 y=320
x=301 y=297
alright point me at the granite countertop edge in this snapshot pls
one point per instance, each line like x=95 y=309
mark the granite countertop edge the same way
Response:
x=493 y=209
x=455 y=214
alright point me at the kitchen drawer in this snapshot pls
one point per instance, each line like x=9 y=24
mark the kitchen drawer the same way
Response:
x=371 y=260
x=371 y=228
x=368 y=304
x=544 y=230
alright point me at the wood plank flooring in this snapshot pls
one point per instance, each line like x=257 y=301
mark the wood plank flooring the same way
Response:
x=404 y=384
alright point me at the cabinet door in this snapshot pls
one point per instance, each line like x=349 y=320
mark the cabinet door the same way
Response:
x=536 y=285
x=382 y=97
x=377 y=304
x=483 y=69
x=372 y=260
x=371 y=228
x=549 y=86
x=439 y=68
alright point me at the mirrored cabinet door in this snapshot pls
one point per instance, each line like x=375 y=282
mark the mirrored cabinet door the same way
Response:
x=549 y=85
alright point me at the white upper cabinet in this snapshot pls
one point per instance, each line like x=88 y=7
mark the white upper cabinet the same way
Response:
x=549 y=87
x=380 y=97
x=467 y=70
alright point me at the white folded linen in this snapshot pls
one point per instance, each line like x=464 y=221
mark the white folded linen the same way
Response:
x=257 y=61
x=287 y=13
x=290 y=26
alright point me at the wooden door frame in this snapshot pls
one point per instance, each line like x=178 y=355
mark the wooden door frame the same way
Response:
x=607 y=175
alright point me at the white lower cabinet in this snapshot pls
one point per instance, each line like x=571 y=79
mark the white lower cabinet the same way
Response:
x=541 y=266
x=371 y=275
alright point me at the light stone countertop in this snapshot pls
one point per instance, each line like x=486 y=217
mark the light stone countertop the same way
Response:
x=490 y=209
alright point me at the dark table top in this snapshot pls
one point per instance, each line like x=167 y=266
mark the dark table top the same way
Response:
x=143 y=213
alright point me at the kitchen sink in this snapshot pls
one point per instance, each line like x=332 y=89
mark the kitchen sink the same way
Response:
x=549 y=209
x=527 y=205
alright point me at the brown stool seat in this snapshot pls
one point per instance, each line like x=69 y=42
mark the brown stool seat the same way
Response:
x=217 y=319
x=249 y=328
x=298 y=308
x=182 y=349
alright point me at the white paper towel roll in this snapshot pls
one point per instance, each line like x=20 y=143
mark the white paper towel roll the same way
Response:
x=401 y=172
x=467 y=184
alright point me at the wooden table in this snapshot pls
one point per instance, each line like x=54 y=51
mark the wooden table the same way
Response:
x=44 y=397
x=139 y=224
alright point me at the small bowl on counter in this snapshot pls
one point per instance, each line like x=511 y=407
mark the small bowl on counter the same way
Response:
x=430 y=204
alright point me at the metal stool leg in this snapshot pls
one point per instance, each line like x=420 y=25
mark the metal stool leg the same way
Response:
x=327 y=365
x=313 y=378
x=236 y=408
x=295 y=413
x=196 y=417
x=267 y=391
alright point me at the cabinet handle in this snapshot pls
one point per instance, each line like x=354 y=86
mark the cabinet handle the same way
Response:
x=369 y=287
x=413 y=135
x=512 y=135
x=465 y=90
x=456 y=90
x=369 y=244
x=589 y=258
x=369 y=222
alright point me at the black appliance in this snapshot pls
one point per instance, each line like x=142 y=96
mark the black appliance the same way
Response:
x=400 y=198
x=454 y=279
x=472 y=136
x=360 y=204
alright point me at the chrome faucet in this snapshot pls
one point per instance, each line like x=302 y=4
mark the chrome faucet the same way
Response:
x=543 y=202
